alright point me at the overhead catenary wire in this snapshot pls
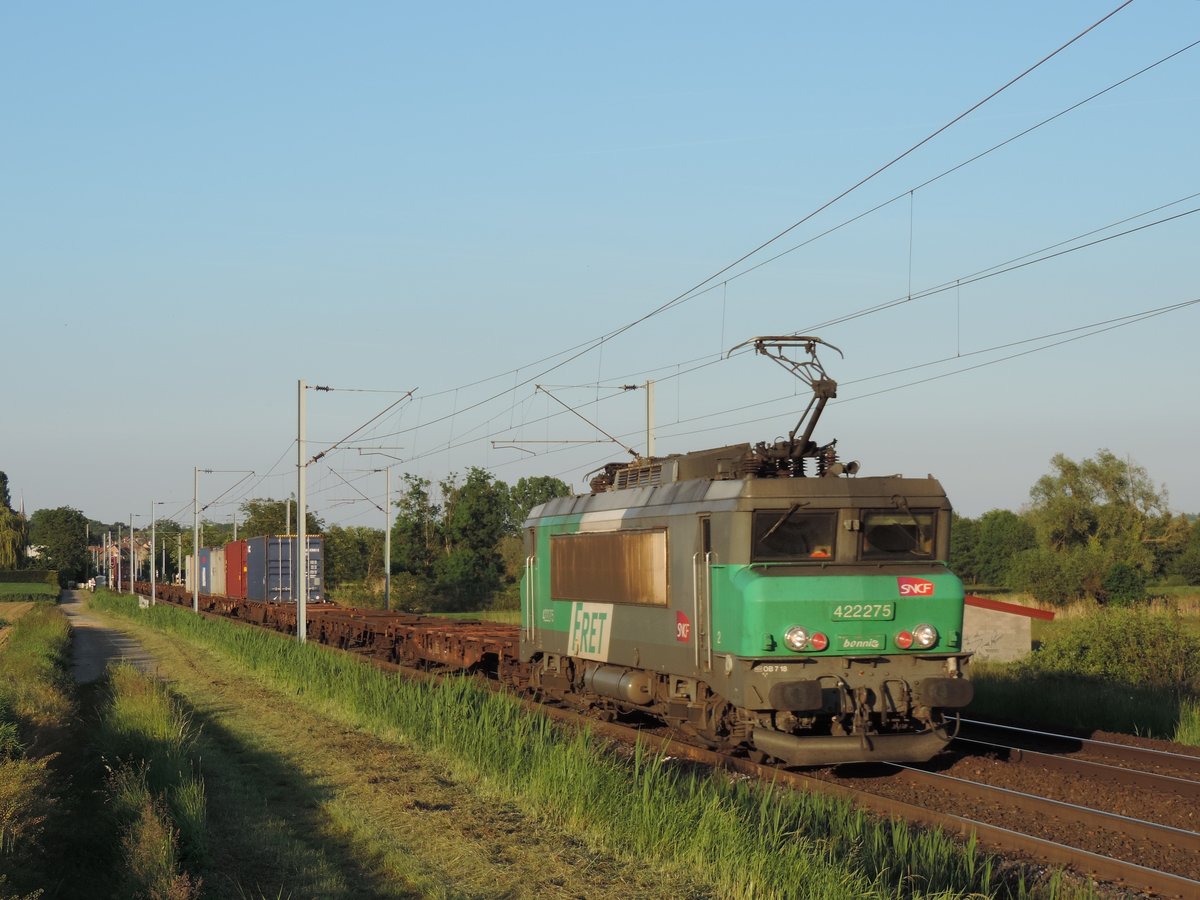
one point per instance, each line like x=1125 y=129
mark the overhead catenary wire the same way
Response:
x=1021 y=261
x=1091 y=329
x=585 y=347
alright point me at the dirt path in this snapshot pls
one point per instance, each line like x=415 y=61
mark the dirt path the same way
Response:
x=97 y=642
x=301 y=806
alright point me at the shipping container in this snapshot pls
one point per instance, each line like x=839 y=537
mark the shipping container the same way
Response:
x=217 y=556
x=189 y=568
x=270 y=568
x=235 y=570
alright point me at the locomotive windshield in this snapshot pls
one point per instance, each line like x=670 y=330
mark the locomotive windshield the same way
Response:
x=898 y=534
x=787 y=535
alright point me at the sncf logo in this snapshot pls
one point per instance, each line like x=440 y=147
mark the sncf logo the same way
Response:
x=914 y=587
x=683 y=628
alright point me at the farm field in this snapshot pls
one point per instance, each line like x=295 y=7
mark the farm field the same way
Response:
x=26 y=591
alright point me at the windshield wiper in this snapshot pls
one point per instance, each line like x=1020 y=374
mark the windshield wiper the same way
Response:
x=787 y=515
x=919 y=542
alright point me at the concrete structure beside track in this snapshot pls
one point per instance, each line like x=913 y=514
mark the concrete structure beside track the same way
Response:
x=999 y=632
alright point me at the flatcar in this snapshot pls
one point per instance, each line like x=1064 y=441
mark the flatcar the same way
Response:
x=762 y=597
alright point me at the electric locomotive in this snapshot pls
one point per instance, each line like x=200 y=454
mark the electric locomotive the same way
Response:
x=762 y=598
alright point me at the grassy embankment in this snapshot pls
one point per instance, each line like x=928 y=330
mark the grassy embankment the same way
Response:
x=35 y=708
x=741 y=839
x=1134 y=670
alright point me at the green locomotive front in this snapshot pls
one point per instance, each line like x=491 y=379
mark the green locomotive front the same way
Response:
x=802 y=617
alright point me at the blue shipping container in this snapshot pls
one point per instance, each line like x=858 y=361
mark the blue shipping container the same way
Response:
x=271 y=568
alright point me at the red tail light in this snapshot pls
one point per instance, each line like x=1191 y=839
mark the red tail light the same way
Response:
x=818 y=641
x=904 y=640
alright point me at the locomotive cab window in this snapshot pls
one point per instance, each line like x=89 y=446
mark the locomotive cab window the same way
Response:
x=898 y=534
x=791 y=535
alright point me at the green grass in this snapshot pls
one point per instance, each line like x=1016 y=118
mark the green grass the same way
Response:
x=23 y=592
x=746 y=839
x=147 y=740
x=35 y=707
x=1134 y=670
x=1011 y=692
x=503 y=616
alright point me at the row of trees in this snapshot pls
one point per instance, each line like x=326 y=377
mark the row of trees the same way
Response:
x=456 y=548
x=1098 y=528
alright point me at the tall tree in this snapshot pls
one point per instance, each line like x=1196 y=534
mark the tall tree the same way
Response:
x=416 y=531
x=12 y=529
x=1002 y=535
x=964 y=546
x=61 y=536
x=1108 y=500
x=530 y=492
x=476 y=516
x=352 y=554
x=1094 y=519
x=263 y=517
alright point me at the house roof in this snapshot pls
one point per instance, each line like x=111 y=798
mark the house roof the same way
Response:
x=1011 y=608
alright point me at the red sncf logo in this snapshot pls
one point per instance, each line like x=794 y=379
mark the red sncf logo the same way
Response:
x=914 y=587
x=683 y=628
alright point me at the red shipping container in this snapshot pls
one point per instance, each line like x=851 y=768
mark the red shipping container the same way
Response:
x=235 y=569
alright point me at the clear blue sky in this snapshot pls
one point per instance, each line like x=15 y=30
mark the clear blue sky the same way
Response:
x=203 y=204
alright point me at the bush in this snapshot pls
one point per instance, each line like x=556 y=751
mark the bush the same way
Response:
x=1131 y=646
x=1123 y=585
x=1188 y=565
x=30 y=576
x=1043 y=574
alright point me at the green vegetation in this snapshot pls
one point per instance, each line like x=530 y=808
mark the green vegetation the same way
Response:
x=1129 y=670
x=35 y=707
x=11 y=593
x=12 y=529
x=61 y=538
x=156 y=795
x=747 y=840
x=1098 y=529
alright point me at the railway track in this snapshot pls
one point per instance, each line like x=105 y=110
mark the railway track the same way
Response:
x=1116 y=835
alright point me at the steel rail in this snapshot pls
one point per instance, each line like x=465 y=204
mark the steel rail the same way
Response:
x=1099 y=771
x=1126 y=752
x=1138 y=829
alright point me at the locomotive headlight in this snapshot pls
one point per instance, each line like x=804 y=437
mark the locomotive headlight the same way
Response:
x=924 y=636
x=796 y=638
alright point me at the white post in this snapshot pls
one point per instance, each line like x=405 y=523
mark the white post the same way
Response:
x=119 y=588
x=387 y=538
x=649 y=419
x=196 y=539
x=153 y=545
x=301 y=521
